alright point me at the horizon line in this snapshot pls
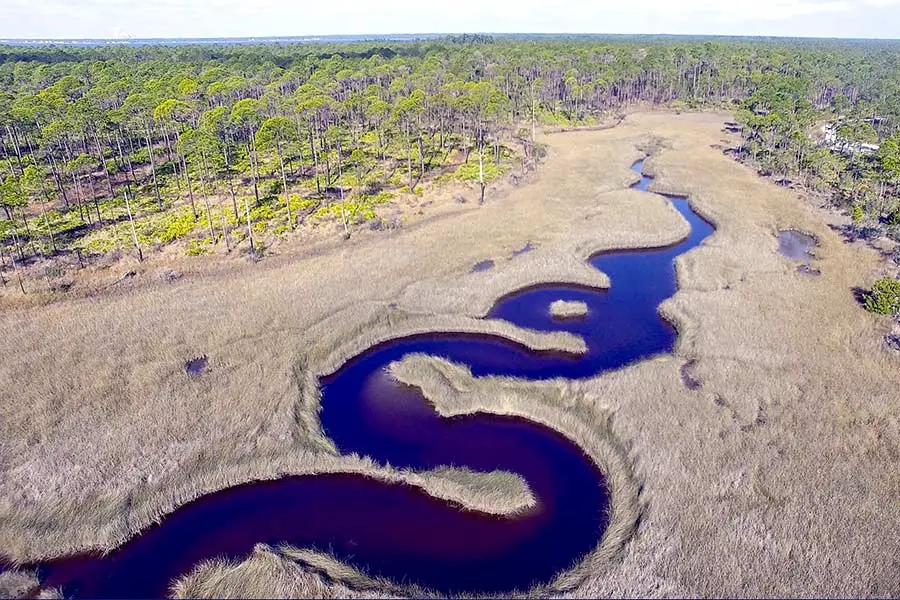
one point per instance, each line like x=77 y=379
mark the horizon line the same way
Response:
x=375 y=36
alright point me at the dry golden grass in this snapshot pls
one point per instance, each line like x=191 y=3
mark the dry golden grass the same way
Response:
x=564 y=309
x=282 y=573
x=14 y=584
x=778 y=477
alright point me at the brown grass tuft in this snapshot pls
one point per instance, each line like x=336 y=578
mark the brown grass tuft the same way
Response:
x=17 y=584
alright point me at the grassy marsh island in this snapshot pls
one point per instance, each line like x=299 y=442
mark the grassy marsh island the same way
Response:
x=563 y=309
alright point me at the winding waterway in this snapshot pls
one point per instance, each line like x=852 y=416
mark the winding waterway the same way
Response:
x=398 y=531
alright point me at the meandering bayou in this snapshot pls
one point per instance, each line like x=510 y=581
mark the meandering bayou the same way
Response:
x=400 y=533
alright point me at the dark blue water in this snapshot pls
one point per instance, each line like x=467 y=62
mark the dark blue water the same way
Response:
x=397 y=531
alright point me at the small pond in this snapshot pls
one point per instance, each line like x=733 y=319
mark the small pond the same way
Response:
x=528 y=247
x=485 y=265
x=196 y=366
x=798 y=246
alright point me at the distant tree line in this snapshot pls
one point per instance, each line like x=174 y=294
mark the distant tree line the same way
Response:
x=149 y=144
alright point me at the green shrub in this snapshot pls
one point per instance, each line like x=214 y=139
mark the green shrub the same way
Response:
x=198 y=247
x=107 y=239
x=170 y=226
x=6 y=230
x=418 y=190
x=263 y=212
x=274 y=188
x=299 y=204
x=355 y=212
x=856 y=214
x=379 y=198
x=554 y=118
x=884 y=299
x=470 y=172
x=445 y=178
x=140 y=156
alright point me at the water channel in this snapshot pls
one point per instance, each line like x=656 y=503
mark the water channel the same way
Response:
x=398 y=531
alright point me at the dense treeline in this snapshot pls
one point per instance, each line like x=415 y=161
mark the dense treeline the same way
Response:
x=108 y=146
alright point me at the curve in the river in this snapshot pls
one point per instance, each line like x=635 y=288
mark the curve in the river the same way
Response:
x=398 y=531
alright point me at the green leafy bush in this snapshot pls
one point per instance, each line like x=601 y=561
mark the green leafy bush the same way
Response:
x=445 y=178
x=170 y=226
x=353 y=211
x=263 y=212
x=274 y=188
x=884 y=299
x=6 y=229
x=198 y=247
x=299 y=204
x=379 y=198
x=140 y=156
x=470 y=172
x=101 y=243
x=418 y=191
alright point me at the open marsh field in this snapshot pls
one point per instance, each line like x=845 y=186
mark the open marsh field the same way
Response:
x=776 y=475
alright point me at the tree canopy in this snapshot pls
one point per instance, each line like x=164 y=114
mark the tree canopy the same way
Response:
x=268 y=135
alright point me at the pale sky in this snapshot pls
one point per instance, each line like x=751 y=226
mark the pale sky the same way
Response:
x=258 y=18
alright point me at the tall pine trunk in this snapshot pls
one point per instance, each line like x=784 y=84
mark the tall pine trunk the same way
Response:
x=152 y=165
x=481 y=166
x=190 y=186
x=254 y=165
x=102 y=160
x=134 y=235
x=209 y=219
x=341 y=185
x=287 y=198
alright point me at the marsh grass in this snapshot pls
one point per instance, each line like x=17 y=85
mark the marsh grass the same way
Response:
x=785 y=457
x=563 y=263
x=16 y=584
x=282 y=572
x=564 y=309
